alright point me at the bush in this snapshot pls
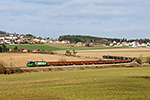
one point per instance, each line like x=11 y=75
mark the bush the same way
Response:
x=138 y=60
x=148 y=59
x=16 y=70
x=2 y=69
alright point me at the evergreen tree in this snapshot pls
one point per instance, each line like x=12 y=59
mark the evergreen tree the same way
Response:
x=0 y=49
x=4 y=48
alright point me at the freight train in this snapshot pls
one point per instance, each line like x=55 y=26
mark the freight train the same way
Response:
x=116 y=59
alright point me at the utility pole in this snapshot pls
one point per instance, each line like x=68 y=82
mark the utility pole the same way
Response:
x=61 y=57
x=10 y=61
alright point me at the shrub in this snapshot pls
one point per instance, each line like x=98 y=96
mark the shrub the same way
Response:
x=16 y=70
x=2 y=69
x=8 y=71
x=148 y=59
x=138 y=60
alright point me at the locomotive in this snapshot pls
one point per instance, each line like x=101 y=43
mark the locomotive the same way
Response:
x=36 y=63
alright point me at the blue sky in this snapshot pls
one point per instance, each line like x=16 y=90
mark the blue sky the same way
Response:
x=53 y=18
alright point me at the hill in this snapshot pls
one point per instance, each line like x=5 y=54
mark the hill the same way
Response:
x=100 y=40
x=87 y=39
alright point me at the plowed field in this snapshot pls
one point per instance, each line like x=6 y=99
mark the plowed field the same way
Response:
x=129 y=52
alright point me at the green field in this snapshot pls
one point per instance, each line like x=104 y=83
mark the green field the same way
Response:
x=99 y=84
x=60 y=47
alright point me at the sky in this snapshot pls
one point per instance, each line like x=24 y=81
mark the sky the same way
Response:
x=53 y=18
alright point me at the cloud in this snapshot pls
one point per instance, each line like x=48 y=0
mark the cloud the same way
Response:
x=134 y=28
x=109 y=2
x=59 y=21
x=131 y=28
x=108 y=30
x=51 y=2
x=11 y=18
x=95 y=21
x=67 y=10
x=92 y=16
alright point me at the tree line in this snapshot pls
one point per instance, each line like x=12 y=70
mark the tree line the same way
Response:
x=100 y=40
x=2 y=32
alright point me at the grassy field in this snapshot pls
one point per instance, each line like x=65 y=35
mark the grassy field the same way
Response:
x=101 y=84
x=31 y=47
x=56 y=47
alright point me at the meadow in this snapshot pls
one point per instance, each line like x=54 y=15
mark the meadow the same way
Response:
x=57 y=47
x=99 y=84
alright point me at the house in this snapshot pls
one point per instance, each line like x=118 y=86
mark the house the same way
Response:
x=32 y=42
x=21 y=37
x=65 y=41
x=43 y=40
x=144 y=45
x=148 y=44
x=125 y=43
x=134 y=44
x=50 y=41
x=24 y=50
x=2 y=38
x=56 y=41
x=19 y=40
x=36 y=39
x=2 y=41
x=111 y=44
x=119 y=44
x=36 y=50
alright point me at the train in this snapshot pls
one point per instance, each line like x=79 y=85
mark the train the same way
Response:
x=116 y=59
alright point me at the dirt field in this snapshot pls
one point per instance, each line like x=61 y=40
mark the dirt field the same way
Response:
x=20 y=60
x=131 y=52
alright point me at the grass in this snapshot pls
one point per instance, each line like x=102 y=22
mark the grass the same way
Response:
x=60 y=47
x=101 y=84
x=31 y=47
x=143 y=59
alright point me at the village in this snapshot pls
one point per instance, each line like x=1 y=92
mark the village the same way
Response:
x=19 y=39
x=15 y=39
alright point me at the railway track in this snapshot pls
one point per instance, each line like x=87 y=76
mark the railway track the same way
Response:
x=71 y=66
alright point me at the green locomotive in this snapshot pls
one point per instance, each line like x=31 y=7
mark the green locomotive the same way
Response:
x=36 y=63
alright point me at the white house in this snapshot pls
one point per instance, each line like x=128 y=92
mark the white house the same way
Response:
x=1 y=41
x=111 y=44
x=56 y=41
x=65 y=41
x=125 y=44
x=50 y=41
x=134 y=44
x=119 y=44
x=43 y=40
x=144 y=45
